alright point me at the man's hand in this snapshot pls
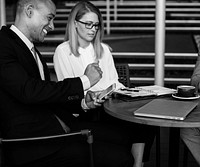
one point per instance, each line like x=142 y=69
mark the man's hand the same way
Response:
x=92 y=101
x=93 y=72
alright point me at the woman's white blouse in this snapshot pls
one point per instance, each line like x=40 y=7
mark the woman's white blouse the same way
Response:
x=68 y=66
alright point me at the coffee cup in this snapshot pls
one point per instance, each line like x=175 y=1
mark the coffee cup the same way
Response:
x=186 y=91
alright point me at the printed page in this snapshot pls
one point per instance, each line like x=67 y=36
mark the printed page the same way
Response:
x=159 y=90
x=135 y=92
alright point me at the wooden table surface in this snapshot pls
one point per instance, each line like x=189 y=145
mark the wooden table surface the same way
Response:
x=124 y=110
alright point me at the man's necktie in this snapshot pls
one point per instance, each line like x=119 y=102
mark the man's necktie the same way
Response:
x=39 y=64
x=64 y=126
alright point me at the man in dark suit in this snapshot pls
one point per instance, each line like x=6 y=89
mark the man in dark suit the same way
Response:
x=191 y=136
x=34 y=106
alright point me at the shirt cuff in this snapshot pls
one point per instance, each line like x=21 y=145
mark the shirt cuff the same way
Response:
x=85 y=82
x=84 y=105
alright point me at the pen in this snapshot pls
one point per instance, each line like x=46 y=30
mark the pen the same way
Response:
x=130 y=90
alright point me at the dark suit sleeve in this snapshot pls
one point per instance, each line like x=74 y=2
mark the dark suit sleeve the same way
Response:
x=18 y=78
x=195 y=79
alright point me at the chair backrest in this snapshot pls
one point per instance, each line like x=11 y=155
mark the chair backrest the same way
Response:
x=123 y=73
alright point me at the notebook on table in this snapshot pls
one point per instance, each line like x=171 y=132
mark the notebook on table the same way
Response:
x=167 y=109
x=130 y=94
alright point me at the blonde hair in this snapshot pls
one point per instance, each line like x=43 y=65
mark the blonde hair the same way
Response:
x=78 y=11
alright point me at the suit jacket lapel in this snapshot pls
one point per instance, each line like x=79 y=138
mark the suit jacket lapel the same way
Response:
x=28 y=54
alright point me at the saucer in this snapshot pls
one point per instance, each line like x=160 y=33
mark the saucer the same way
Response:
x=185 y=98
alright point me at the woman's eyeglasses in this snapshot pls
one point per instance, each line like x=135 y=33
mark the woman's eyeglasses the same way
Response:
x=90 y=25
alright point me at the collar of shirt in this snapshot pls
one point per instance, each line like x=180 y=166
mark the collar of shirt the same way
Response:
x=28 y=43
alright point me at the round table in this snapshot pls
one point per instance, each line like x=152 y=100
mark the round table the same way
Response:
x=124 y=110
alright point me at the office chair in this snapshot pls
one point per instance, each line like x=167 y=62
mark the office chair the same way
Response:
x=123 y=73
x=84 y=132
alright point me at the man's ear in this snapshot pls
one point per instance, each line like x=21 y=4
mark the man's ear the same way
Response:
x=29 y=10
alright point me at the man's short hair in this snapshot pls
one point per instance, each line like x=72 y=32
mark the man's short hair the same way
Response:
x=21 y=3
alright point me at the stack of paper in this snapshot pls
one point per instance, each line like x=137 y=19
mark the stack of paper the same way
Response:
x=158 y=90
x=145 y=91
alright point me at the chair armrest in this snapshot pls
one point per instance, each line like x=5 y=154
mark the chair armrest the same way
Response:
x=82 y=132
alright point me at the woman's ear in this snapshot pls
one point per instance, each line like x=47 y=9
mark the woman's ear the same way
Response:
x=29 y=10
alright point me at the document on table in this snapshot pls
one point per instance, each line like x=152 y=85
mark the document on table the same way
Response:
x=158 y=90
x=145 y=91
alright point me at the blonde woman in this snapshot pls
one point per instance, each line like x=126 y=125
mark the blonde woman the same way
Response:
x=82 y=46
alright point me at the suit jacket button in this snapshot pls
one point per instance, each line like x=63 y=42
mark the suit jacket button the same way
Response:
x=76 y=97
x=70 y=98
